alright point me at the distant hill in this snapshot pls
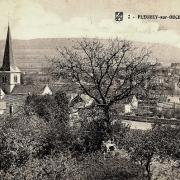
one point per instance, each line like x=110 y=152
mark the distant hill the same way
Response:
x=32 y=53
x=47 y=43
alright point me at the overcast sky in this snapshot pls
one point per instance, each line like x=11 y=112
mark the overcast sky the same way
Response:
x=90 y=18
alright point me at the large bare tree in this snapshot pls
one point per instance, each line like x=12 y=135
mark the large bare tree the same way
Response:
x=107 y=71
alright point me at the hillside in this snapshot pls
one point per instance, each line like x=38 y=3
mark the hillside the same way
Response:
x=32 y=53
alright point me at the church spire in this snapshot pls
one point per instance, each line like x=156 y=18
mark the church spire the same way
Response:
x=10 y=75
x=8 y=61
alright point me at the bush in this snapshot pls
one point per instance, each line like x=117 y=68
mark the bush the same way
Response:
x=62 y=166
x=49 y=167
x=21 y=138
x=96 y=166
x=54 y=110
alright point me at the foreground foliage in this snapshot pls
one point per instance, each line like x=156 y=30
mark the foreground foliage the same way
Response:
x=36 y=145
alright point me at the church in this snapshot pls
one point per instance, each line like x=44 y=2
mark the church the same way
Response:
x=12 y=92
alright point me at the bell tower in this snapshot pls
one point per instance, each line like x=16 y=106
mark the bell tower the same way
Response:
x=10 y=75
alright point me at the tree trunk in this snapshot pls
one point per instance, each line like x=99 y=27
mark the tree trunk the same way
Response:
x=107 y=115
x=107 y=122
x=148 y=170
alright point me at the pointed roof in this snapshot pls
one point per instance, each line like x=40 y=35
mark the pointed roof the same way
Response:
x=8 y=60
x=77 y=99
x=81 y=100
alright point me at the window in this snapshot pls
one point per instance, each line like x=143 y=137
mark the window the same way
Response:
x=4 y=79
x=15 y=78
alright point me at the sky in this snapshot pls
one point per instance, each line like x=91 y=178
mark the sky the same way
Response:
x=30 y=19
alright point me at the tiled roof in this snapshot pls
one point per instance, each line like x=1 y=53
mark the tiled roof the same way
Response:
x=67 y=88
x=26 y=89
x=126 y=100
x=80 y=100
x=38 y=88
x=76 y=100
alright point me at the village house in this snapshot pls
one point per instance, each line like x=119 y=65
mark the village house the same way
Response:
x=127 y=105
x=77 y=102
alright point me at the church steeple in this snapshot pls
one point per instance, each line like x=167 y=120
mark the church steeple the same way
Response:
x=8 y=61
x=10 y=74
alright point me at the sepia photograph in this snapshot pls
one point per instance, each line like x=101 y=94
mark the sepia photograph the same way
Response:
x=89 y=90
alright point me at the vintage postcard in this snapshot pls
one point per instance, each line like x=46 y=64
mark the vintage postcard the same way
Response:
x=90 y=90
